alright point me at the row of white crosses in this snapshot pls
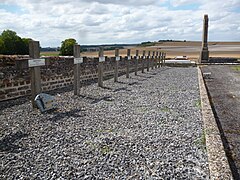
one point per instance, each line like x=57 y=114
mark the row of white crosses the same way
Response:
x=35 y=62
x=78 y=60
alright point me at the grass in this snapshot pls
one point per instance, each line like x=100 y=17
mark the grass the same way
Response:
x=165 y=109
x=198 y=104
x=102 y=149
x=201 y=141
x=236 y=68
x=105 y=150
x=142 y=109
x=50 y=53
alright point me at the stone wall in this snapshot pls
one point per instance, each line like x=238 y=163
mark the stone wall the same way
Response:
x=58 y=73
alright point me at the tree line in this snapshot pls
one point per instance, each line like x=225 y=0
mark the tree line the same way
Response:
x=12 y=44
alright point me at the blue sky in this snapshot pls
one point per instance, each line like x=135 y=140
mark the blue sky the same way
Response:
x=120 y=21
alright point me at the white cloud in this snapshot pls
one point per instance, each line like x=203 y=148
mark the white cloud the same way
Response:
x=176 y=3
x=107 y=21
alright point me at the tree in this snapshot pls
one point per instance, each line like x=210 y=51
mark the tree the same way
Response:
x=25 y=49
x=67 y=47
x=1 y=45
x=11 y=43
x=10 y=40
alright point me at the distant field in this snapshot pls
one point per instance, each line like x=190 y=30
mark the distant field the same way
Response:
x=173 y=49
x=196 y=43
x=190 y=49
x=50 y=53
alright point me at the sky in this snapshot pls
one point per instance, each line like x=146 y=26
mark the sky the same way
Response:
x=120 y=21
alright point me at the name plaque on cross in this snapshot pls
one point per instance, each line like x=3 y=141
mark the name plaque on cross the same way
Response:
x=36 y=62
x=78 y=60
x=117 y=58
x=129 y=57
x=102 y=59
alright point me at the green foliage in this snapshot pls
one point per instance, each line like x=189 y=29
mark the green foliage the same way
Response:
x=165 y=109
x=26 y=45
x=11 y=43
x=1 y=45
x=105 y=150
x=67 y=47
x=236 y=68
x=201 y=141
x=198 y=104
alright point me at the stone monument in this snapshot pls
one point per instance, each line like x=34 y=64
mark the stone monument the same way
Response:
x=204 y=55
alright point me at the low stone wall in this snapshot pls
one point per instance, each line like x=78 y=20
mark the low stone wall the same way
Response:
x=58 y=73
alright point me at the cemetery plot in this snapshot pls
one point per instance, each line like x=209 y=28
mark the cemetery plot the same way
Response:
x=150 y=129
x=223 y=84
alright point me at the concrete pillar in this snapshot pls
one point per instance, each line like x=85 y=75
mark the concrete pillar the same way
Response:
x=76 y=54
x=116 y=65
x=136 y=62
x=148 y=60
x=143 y=60
x=161 y=58
x=35 y=74
x=157 y=59
x=100 y=67
x=128 y=63
x=204 y=55
x=153 y=59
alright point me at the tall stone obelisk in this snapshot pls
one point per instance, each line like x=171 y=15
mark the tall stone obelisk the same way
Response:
x=204 y=55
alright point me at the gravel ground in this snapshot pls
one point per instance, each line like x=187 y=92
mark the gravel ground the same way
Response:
x=145 y=127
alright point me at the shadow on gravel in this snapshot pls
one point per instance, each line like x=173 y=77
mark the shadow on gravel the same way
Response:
x=151 y=73
x=22 y=100
x=134 y=83
x=108 y=88
x=13 y=102
x=121 y=89
x=59 y=116
x=148 y=77
x=7 y=143
x=97 y=100
x=140 y=79
x=120 y=82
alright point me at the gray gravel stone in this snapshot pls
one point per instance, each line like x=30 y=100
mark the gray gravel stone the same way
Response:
x=146 y=127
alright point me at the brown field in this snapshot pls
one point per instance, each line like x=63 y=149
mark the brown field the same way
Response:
x=190 y=49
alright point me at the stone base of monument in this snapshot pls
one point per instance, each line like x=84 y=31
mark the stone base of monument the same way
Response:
x=179 y=63
x=204 y=56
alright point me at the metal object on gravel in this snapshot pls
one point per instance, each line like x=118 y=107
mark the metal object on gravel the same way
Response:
x=45 y=102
